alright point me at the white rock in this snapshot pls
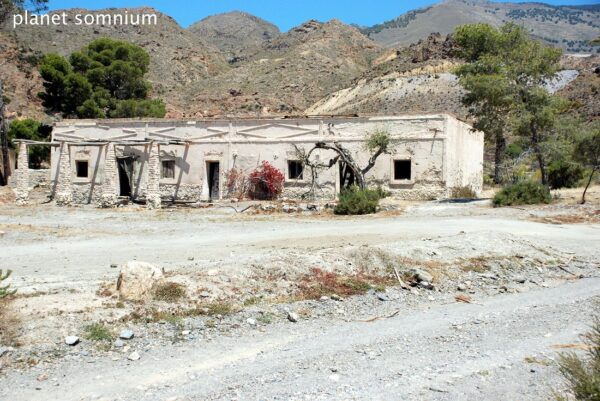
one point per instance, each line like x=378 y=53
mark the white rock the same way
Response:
x=136 y=280
x=71 y=340
x=119 y=343
x=293 y=317
x=134 y=356
x=126 y=334
x=251 y=322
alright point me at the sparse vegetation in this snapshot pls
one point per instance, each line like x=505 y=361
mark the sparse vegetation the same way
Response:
x=583 y=374
x=219 y=308
x=169 y=292
x=523 y=193
x=319 y=283
x=97 y=332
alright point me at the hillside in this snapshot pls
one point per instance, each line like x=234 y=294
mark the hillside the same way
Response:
x=568 y=27
x=415 y=79
x=177 y=57
x=288 y=73
x=233 y=31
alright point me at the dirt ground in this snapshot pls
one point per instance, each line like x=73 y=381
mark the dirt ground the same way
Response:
x=524 y=273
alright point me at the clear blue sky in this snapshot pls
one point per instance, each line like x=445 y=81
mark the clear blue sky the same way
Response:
x=284 y=14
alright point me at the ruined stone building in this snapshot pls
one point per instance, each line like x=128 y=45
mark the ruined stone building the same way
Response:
x=157 y=160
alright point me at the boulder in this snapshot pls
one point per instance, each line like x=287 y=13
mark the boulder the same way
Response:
x=136 y=280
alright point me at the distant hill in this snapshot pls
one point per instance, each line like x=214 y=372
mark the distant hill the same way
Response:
x=234 y=31
x=569 y=27
x=288 y=73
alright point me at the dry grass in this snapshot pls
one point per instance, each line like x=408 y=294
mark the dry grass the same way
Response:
x=320 y=283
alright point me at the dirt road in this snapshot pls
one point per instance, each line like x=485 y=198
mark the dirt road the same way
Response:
x=499 y=350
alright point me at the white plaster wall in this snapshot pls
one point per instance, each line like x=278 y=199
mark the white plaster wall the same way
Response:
x=245 y=144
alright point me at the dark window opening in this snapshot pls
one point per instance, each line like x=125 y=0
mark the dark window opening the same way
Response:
x=81 y=168
x=168 y=169
x=402 y=170
x=295 y=170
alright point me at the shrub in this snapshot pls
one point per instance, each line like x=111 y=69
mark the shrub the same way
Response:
x=354 y=200
x=169 y=292
x=266 y=182
x=465 y=192
x=522 y=193
x=583 y=375
x=564 y=174
x=4 y=291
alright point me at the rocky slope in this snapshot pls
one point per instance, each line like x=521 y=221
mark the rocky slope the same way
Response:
x=288 y=73
x=233 y=31
x=568 y=27
x=20 y=79
x=415 y=79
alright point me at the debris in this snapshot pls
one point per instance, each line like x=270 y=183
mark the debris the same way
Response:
x=71 y=340
x=113 y=265
x=463 y=298
x=402 y=283
x=134 y=356
x=380 y=317
x=126 y=334
x=293 y=317
x=573 y=346
x=42 y=377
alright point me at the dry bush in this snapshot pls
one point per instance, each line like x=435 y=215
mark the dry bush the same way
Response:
x=583 y=374
x=169 y=291
x=465 y=192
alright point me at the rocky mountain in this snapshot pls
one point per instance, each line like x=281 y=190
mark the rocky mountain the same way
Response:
x=288 y=73
x=233 y=31
x=569 y=27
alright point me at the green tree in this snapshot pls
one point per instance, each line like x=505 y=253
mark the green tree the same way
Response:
x=103 y=79
x=32 y=130
x=587 y=152
x=503 y=76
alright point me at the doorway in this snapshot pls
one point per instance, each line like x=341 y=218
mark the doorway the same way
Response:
x=125 y=167
x=212 y=169
x=347 y=178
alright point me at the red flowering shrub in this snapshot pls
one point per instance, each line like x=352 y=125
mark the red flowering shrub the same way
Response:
x=266 y=182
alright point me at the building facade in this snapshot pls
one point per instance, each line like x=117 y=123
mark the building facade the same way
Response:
x=100 y=161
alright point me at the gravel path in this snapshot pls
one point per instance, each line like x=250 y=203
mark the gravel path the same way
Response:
x=500 y=349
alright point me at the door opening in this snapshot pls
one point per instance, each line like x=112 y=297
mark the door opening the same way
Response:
x=125 y=167
x=347 y=178
x=213 y=180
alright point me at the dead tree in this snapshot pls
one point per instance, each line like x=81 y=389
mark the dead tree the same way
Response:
x=377 y=143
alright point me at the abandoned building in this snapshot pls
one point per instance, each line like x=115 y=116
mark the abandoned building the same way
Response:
x=153 y=161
